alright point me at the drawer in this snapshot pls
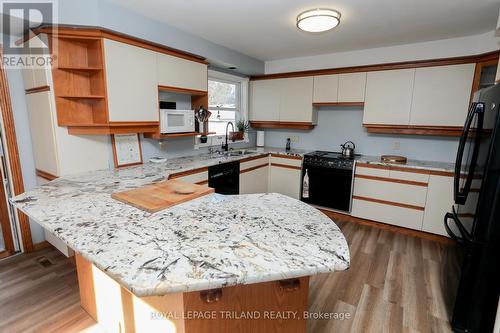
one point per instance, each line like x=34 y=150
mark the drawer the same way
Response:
x=367 y=171
x=254 y=163
x=286 y=160
x=411 y=176
x=198 y=177
x=390 y=191
x=395 y=215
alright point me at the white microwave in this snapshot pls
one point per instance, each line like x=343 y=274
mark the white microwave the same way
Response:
x=176 y=121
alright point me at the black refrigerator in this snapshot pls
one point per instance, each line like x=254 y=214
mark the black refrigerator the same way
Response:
x=474 y=221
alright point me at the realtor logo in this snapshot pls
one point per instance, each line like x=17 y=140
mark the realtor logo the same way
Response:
x=21 y=46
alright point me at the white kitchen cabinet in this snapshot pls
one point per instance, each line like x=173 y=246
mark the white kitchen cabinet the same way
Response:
x=296 y=100
x=385 y=213
x=352 y=88
x=254 y=181
x=181 y=73
x=131 y=82
x=326 y=88
x=265 y=99
x=285 y=181
x=56 y=152
x=42 y=129
x=35 y=77
x=441 y=95
x=397 y=192
x=388 y=97
x=285 y=175
x=439 y=202
x=282 y=100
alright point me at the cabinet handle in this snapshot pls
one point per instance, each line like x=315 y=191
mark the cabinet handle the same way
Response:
x=289 y=285
x=211 y=296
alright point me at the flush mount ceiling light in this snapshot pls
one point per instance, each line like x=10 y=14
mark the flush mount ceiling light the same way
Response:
x=318 y=20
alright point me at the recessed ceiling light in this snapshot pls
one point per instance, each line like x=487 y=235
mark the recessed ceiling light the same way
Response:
x=318 y=20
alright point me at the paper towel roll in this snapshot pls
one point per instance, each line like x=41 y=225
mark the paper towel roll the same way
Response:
x=260 y=138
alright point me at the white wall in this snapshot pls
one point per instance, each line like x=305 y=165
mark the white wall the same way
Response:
x=454 y=47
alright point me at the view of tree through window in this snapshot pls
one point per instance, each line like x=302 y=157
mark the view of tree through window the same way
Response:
x=224 y=103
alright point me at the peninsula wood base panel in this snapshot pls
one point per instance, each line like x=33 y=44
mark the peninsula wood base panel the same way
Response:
x=118 y=310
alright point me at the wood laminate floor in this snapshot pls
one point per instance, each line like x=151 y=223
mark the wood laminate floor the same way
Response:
x=396 y=283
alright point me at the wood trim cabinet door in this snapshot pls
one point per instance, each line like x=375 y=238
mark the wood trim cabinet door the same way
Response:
x=265 y=99
x=325 y=89
x=352 y=87
x=181 y=73
x=441 y=95
x=42 y=129
x=131 y=82
x=296 y=100
x=285 y=180
x=255 y=180
x=439 y=202
x=388 y=97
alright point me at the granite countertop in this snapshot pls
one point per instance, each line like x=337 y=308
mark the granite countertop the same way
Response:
x=210 y=242
x=410 y=164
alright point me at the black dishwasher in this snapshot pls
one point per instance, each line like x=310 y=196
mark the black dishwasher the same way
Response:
x=225 y=177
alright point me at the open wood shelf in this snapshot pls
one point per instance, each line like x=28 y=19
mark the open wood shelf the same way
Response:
x=82 y=96
x=79 y=85
x=174 y=135
x=80 y=68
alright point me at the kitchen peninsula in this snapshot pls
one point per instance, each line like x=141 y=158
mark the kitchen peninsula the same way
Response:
x=213 y=255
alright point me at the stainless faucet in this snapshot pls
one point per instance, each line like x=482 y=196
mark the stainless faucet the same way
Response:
x=225 y=146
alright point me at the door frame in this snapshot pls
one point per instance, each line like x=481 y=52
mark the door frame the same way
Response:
x=14 y=163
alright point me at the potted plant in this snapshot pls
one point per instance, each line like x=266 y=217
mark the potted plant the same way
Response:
x=241 y=127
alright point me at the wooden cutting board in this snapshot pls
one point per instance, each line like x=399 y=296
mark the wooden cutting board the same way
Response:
x=155 y=197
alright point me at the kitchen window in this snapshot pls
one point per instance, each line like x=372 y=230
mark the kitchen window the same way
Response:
x=227 y=100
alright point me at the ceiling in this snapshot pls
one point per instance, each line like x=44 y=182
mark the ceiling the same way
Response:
x=265 y=29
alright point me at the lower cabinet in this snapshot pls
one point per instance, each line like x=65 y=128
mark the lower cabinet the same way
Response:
x=273 y=174
x=285 y=175
x=254 y=180
x=197 y=176
x=415 y=200
x=388 y=213
x=439 y=201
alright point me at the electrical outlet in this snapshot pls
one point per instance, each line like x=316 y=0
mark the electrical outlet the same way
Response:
x=294 y=138
x=397 y=145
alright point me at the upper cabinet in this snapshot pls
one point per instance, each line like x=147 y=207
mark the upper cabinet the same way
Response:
x=388 y=97
x=265 y=99
x=339 y=89
x=352 y=87
x=441 y=95
x=296 y=100
x=326 y=89
x=131 y=82
x=181 y=73
x=282 y=103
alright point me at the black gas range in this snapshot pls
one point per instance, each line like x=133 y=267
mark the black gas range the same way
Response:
x=329 y=176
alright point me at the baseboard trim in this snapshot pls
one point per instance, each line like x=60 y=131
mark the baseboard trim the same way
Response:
x=41 y=245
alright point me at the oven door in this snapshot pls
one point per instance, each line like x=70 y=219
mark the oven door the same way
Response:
x=330 y=188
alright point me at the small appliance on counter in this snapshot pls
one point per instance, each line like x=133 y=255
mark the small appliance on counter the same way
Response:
x=327 y=179
x=261 y=138
x=348 y=149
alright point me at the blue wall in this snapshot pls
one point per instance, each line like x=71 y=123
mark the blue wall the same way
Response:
x=337 y=125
